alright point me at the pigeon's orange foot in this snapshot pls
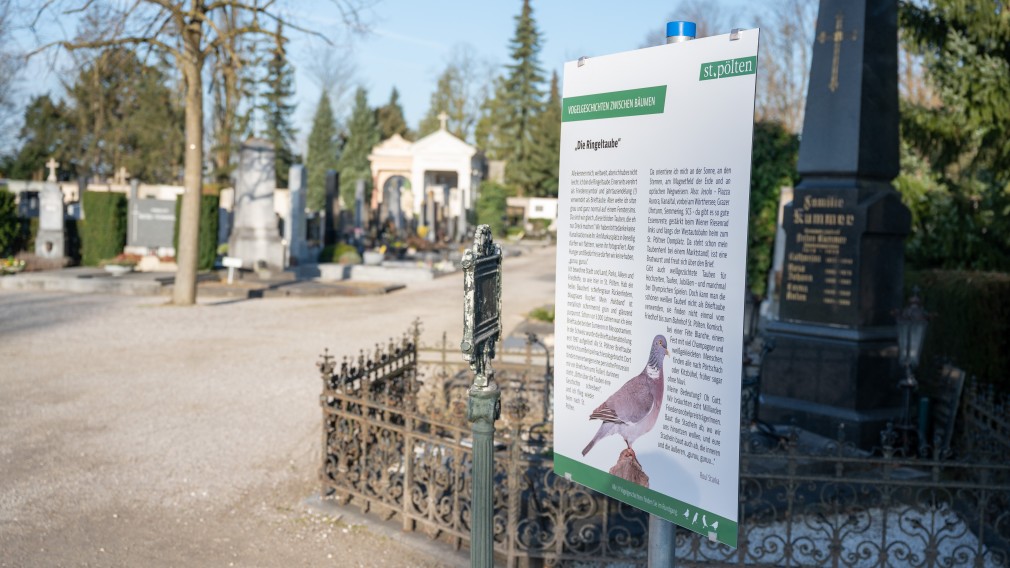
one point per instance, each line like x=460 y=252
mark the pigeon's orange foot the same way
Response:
x=629 y=453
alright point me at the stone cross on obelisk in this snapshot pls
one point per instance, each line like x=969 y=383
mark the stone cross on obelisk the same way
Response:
x=52 y=164
x=834 y=357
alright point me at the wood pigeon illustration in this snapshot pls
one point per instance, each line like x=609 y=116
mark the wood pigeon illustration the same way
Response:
x=633 y=409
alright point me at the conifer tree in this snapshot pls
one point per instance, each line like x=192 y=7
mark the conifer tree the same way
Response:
x=389 y=118
x=461 y=92
x=508 y=128
x=546 y=149
x=362 y=136
x=442 y=101
x=277 y=107
x=323 y=153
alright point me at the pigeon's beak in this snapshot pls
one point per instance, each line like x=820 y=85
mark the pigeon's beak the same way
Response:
x=667 y=352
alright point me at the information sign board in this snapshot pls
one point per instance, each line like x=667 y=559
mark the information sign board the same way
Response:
x=652 y=245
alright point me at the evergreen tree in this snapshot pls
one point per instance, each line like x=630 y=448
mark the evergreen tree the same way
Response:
x=389 y=118
x=45 y=134
x=323 y=153
x=362 y=136
x=442 y=101
x=460 y=92
x=276 y=107
x=956 y=162
x=124 y=114
x=518 y=101
x=546 y=149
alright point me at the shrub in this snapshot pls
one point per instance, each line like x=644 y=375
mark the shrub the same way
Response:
x=207 y=240
x=773 y=165
x=490 y=206
x=103 y=230
x=341 y=254
x=971 y=323
x=10 y=226
x=543 y=314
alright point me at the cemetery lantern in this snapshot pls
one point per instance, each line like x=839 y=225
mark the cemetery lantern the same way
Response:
x=911 y=323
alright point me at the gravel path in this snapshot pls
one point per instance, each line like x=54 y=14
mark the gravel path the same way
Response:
x=138 y=434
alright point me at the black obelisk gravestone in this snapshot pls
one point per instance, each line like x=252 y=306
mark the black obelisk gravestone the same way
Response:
x=835 y=355
x=331 y=206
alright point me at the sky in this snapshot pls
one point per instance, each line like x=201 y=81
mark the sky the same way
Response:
x=410 y=41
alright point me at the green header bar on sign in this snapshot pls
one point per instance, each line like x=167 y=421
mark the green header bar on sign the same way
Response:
x=633 y=102
x=678 y=512
x=728 y=68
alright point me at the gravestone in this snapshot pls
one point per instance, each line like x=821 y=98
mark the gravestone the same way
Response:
x=150 y=223
x=254 y=237
x=359 y=204
x=294 y=229
x=28 y=204
x=153 y=223
x=332 y=207
x=835 y=356
x=50 y=241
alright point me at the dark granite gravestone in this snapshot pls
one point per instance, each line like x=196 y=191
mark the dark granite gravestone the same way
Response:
x=835 y=357
x=153 y=224
x=332 y=211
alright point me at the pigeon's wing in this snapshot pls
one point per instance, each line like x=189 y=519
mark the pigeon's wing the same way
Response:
x=629 y=404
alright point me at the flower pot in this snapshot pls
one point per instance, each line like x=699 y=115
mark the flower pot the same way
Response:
x=372 y=258
x=118 y=269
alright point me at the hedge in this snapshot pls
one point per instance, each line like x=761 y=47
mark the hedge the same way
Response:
x=970 y=323
x=207 y=244
x=103 y=230
x=10 y=226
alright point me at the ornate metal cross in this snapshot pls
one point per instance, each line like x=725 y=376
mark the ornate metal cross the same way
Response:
x=481 y=330
x=838 y=37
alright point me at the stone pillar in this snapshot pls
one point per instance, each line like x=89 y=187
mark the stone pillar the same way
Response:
x=295 y=228
x=835 y=356
x=254 y=237
x=50 y=241
x=131 y=214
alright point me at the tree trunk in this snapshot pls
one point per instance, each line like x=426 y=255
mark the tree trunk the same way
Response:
x=184 y=292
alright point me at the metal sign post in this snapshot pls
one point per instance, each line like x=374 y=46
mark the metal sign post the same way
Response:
x=481 y=330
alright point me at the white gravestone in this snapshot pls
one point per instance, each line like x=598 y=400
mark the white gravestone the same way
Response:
x=254 y=236
x=294 y=229
x=50 y=239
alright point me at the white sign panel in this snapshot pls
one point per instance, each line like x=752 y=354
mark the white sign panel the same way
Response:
x=652 y=232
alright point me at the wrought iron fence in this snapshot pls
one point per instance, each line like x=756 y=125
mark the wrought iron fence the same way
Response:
x=396 y=444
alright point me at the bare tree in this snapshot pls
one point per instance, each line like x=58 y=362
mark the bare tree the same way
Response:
x=189 y=31
x=335 y=73
x=787 y=36
x=913 y=81
x=10 y=68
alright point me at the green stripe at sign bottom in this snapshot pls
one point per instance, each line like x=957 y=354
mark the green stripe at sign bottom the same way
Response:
x=633 y=102
x=678 y=512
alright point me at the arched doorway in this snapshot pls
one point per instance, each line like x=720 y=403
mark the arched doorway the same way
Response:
x=390 y=209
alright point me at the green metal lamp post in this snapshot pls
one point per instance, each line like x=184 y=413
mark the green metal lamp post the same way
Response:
x=481 y=330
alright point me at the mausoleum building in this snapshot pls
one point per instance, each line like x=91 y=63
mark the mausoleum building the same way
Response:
x=430 y=183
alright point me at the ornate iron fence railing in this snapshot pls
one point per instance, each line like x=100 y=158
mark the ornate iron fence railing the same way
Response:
x=396 y=444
